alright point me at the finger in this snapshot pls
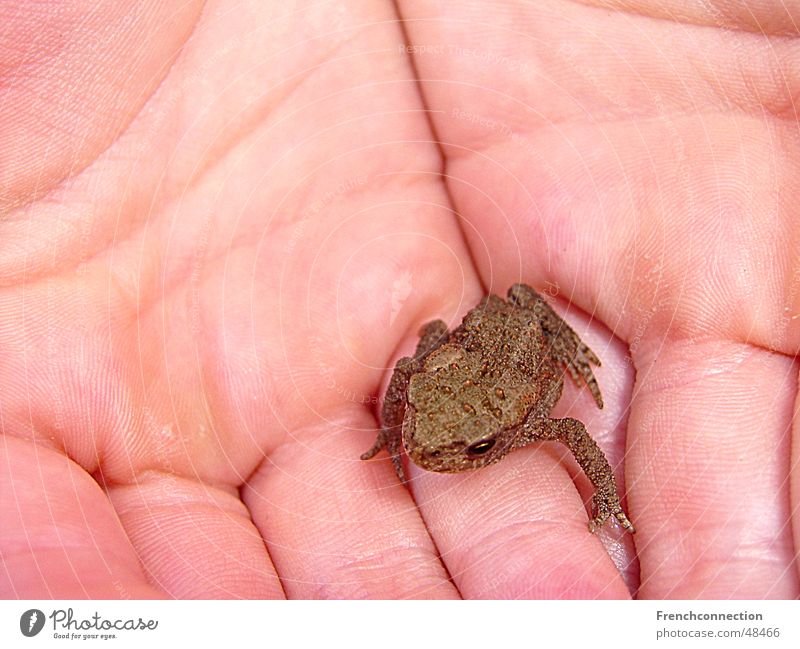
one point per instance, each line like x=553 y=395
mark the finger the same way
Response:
x=60 y=537
x=339 y=527
x=709 y=437
x=503 y=531
x=195 y=540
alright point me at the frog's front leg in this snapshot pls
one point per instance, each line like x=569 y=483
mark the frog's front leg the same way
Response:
x=590 y=457
x=565 y=345
x=394 y=407
x=432 y=335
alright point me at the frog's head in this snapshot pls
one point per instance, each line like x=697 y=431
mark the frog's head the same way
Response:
x=457 y=420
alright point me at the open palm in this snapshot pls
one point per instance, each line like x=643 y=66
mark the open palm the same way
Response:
x=222 y=227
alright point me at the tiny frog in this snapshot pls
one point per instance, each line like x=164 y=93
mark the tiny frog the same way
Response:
x=471 y=395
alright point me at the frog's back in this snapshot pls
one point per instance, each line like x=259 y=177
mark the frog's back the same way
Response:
x=483 y=381
x=504 y=335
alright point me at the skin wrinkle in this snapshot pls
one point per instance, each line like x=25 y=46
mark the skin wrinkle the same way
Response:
x=659 y=12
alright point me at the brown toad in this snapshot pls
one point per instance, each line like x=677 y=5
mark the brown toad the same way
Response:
x=471 y=395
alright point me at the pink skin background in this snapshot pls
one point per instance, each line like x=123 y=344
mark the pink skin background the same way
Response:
x=223 y=223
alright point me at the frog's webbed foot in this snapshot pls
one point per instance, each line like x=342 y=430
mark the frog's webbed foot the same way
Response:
x=389 y=439
x=566 y=347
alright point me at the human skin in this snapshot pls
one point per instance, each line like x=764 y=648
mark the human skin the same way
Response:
x=221 y=227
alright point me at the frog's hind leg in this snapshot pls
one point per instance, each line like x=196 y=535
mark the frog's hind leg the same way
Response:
x=565 y=345
x=432 y=335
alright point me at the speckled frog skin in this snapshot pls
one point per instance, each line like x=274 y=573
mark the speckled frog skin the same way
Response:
x=469 y=396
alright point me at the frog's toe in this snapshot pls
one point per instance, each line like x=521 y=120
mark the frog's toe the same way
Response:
x=600 y=513
x=623 y=520
x=597 y=522
x=397 y=462
x=388 y=439
x=376 y=448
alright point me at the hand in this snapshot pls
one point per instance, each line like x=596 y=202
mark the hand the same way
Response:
x=222 y=227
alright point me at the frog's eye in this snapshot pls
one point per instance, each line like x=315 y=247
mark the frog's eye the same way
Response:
x=479 y=448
